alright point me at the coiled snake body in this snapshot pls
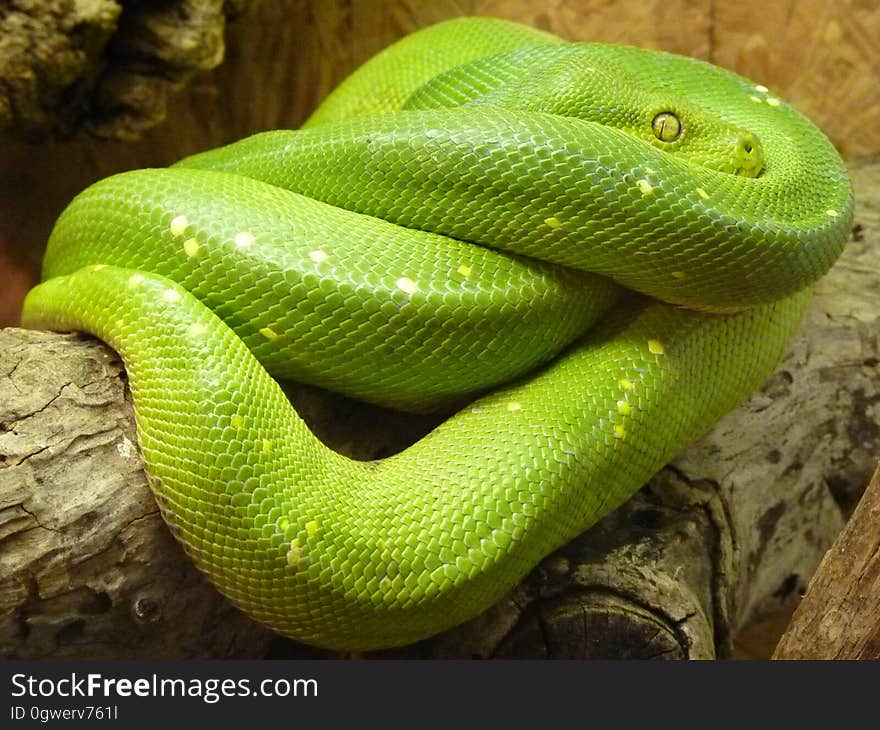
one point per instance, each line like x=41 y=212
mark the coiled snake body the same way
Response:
x=452 y=218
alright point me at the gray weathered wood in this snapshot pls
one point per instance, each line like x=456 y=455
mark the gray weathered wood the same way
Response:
x=87 y=567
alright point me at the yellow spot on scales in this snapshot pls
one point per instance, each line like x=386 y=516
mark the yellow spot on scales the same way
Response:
x=773 y=101
x=244 y=239
x=619 y=432
x=318 y=256
x=312 y=527
x=626 y=383
x=656 y=347
x=171 y=295
x=191 y=247
x=761 y=88
x=178 y=225
x=196 y=329
x=465 y=271
x=678 y=275
x=405 y=284
x=756 y=98
x=135 y=280
x=269 y=333
x=237 y=421
x=624 y=408
x=98 y=267
x=645 y=187
x=831 y=213
x=702 y=193
x=553 y=221
x=514 y=406
x=294 y=554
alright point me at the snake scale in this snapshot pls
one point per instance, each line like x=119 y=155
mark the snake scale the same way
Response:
x=604 y=248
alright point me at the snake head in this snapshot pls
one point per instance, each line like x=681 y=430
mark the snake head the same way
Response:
x=586 y=81
x=682 y=129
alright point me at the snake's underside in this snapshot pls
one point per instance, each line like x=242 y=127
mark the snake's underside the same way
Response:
x=608 y=247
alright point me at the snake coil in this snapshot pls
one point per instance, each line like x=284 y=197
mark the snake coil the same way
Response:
x=609 y=246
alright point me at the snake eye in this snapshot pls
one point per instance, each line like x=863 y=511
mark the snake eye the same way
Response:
x=666 y=127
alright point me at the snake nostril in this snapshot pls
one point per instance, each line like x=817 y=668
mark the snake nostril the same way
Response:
x=747 y=144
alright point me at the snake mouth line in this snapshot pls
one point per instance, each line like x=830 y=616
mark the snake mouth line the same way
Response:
x=747 y=172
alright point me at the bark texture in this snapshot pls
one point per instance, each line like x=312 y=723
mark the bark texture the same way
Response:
x=839 y=617
x=87 y=566
x=102 y=65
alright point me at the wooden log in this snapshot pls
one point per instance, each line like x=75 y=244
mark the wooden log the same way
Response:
x=839 y=617
x=87 y=567
x=730 y=531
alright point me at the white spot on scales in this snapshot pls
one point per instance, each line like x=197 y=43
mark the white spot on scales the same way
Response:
x=405 y=284
x=244 y=239
x=178 y=225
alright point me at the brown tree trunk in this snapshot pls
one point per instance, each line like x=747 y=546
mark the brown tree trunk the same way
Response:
x=839 y=617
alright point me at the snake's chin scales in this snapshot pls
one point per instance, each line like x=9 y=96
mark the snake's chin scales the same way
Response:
x=461 y=218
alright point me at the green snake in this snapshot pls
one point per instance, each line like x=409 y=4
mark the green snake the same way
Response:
x=598 y=250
